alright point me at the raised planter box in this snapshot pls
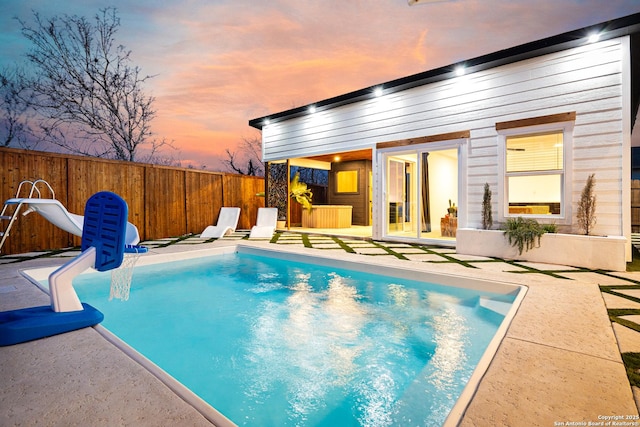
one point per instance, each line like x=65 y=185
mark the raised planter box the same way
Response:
x=593 y=252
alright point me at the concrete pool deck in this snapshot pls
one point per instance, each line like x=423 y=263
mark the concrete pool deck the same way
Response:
x=559 y=363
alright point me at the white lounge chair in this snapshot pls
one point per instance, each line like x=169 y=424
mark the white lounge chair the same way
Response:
x=265 y=224
x=227 y=223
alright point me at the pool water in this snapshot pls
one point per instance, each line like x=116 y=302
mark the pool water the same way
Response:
x=273 y=343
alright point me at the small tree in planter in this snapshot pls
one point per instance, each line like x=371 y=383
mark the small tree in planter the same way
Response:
x=587 y=206
x=487 y=218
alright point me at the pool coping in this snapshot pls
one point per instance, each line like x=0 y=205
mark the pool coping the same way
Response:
x=559 y=361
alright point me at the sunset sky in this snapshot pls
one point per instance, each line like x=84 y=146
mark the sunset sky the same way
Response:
x=219 y=63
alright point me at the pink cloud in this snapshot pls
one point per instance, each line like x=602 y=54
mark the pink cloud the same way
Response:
x=219 y=64
x=226 y=63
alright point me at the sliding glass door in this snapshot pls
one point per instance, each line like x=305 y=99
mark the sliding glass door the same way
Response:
x=421 y=193
x=401 y=201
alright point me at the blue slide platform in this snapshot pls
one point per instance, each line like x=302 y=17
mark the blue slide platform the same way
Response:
x=33 y=323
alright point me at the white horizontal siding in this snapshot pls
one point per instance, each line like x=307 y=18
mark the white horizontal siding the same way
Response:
x=587 y=80
x=494 y=93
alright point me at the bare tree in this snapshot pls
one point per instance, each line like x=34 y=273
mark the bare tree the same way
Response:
x=86 y=90
x=14 y=110
x=249 y=152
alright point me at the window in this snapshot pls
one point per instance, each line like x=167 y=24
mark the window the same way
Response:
x=535 y=173
x=347 y=181
x=535 y=159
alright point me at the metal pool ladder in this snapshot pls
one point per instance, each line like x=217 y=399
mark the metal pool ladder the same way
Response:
x=12 y=207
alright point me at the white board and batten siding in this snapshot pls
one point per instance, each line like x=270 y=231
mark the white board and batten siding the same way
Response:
x=591 y=80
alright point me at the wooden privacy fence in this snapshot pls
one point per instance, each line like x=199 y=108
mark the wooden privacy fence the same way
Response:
x=163 y=201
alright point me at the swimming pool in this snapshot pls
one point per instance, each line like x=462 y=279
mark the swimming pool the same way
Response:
x=266 y=352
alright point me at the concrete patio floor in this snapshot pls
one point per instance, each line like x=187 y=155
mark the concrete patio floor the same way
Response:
x=559 y=363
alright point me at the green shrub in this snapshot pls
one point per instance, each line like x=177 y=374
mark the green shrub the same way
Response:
x=523 y=232
x=550 y=228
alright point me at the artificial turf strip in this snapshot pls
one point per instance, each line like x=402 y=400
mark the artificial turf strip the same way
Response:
x=389 y=251
x=634 y=265
x=615 y=315
x=632 y=365
x=613 y=291
x=57 y=252
x=47 y=254
x=343 y=245
x=610 y=274
x=305 y=241
x=274 y=238
x=448 y=259
x=529 y=270
x=175 y=240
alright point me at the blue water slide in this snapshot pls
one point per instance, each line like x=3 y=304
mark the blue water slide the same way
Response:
x=103 y=248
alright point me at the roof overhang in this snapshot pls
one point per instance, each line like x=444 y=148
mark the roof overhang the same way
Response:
x=620 y=27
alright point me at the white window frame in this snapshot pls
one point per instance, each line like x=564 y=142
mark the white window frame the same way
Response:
x=567 y=146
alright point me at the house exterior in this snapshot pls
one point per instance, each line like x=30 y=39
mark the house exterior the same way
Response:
x=533 y=121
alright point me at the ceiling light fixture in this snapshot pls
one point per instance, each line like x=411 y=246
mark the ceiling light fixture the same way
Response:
x=377 y=91
x=312 y=109
x=460 y=71
x=593 y=37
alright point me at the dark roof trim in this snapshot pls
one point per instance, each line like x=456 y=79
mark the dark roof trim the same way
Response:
x=608 y=30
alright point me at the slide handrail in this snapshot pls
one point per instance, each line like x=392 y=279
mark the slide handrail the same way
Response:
x=34 y=188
